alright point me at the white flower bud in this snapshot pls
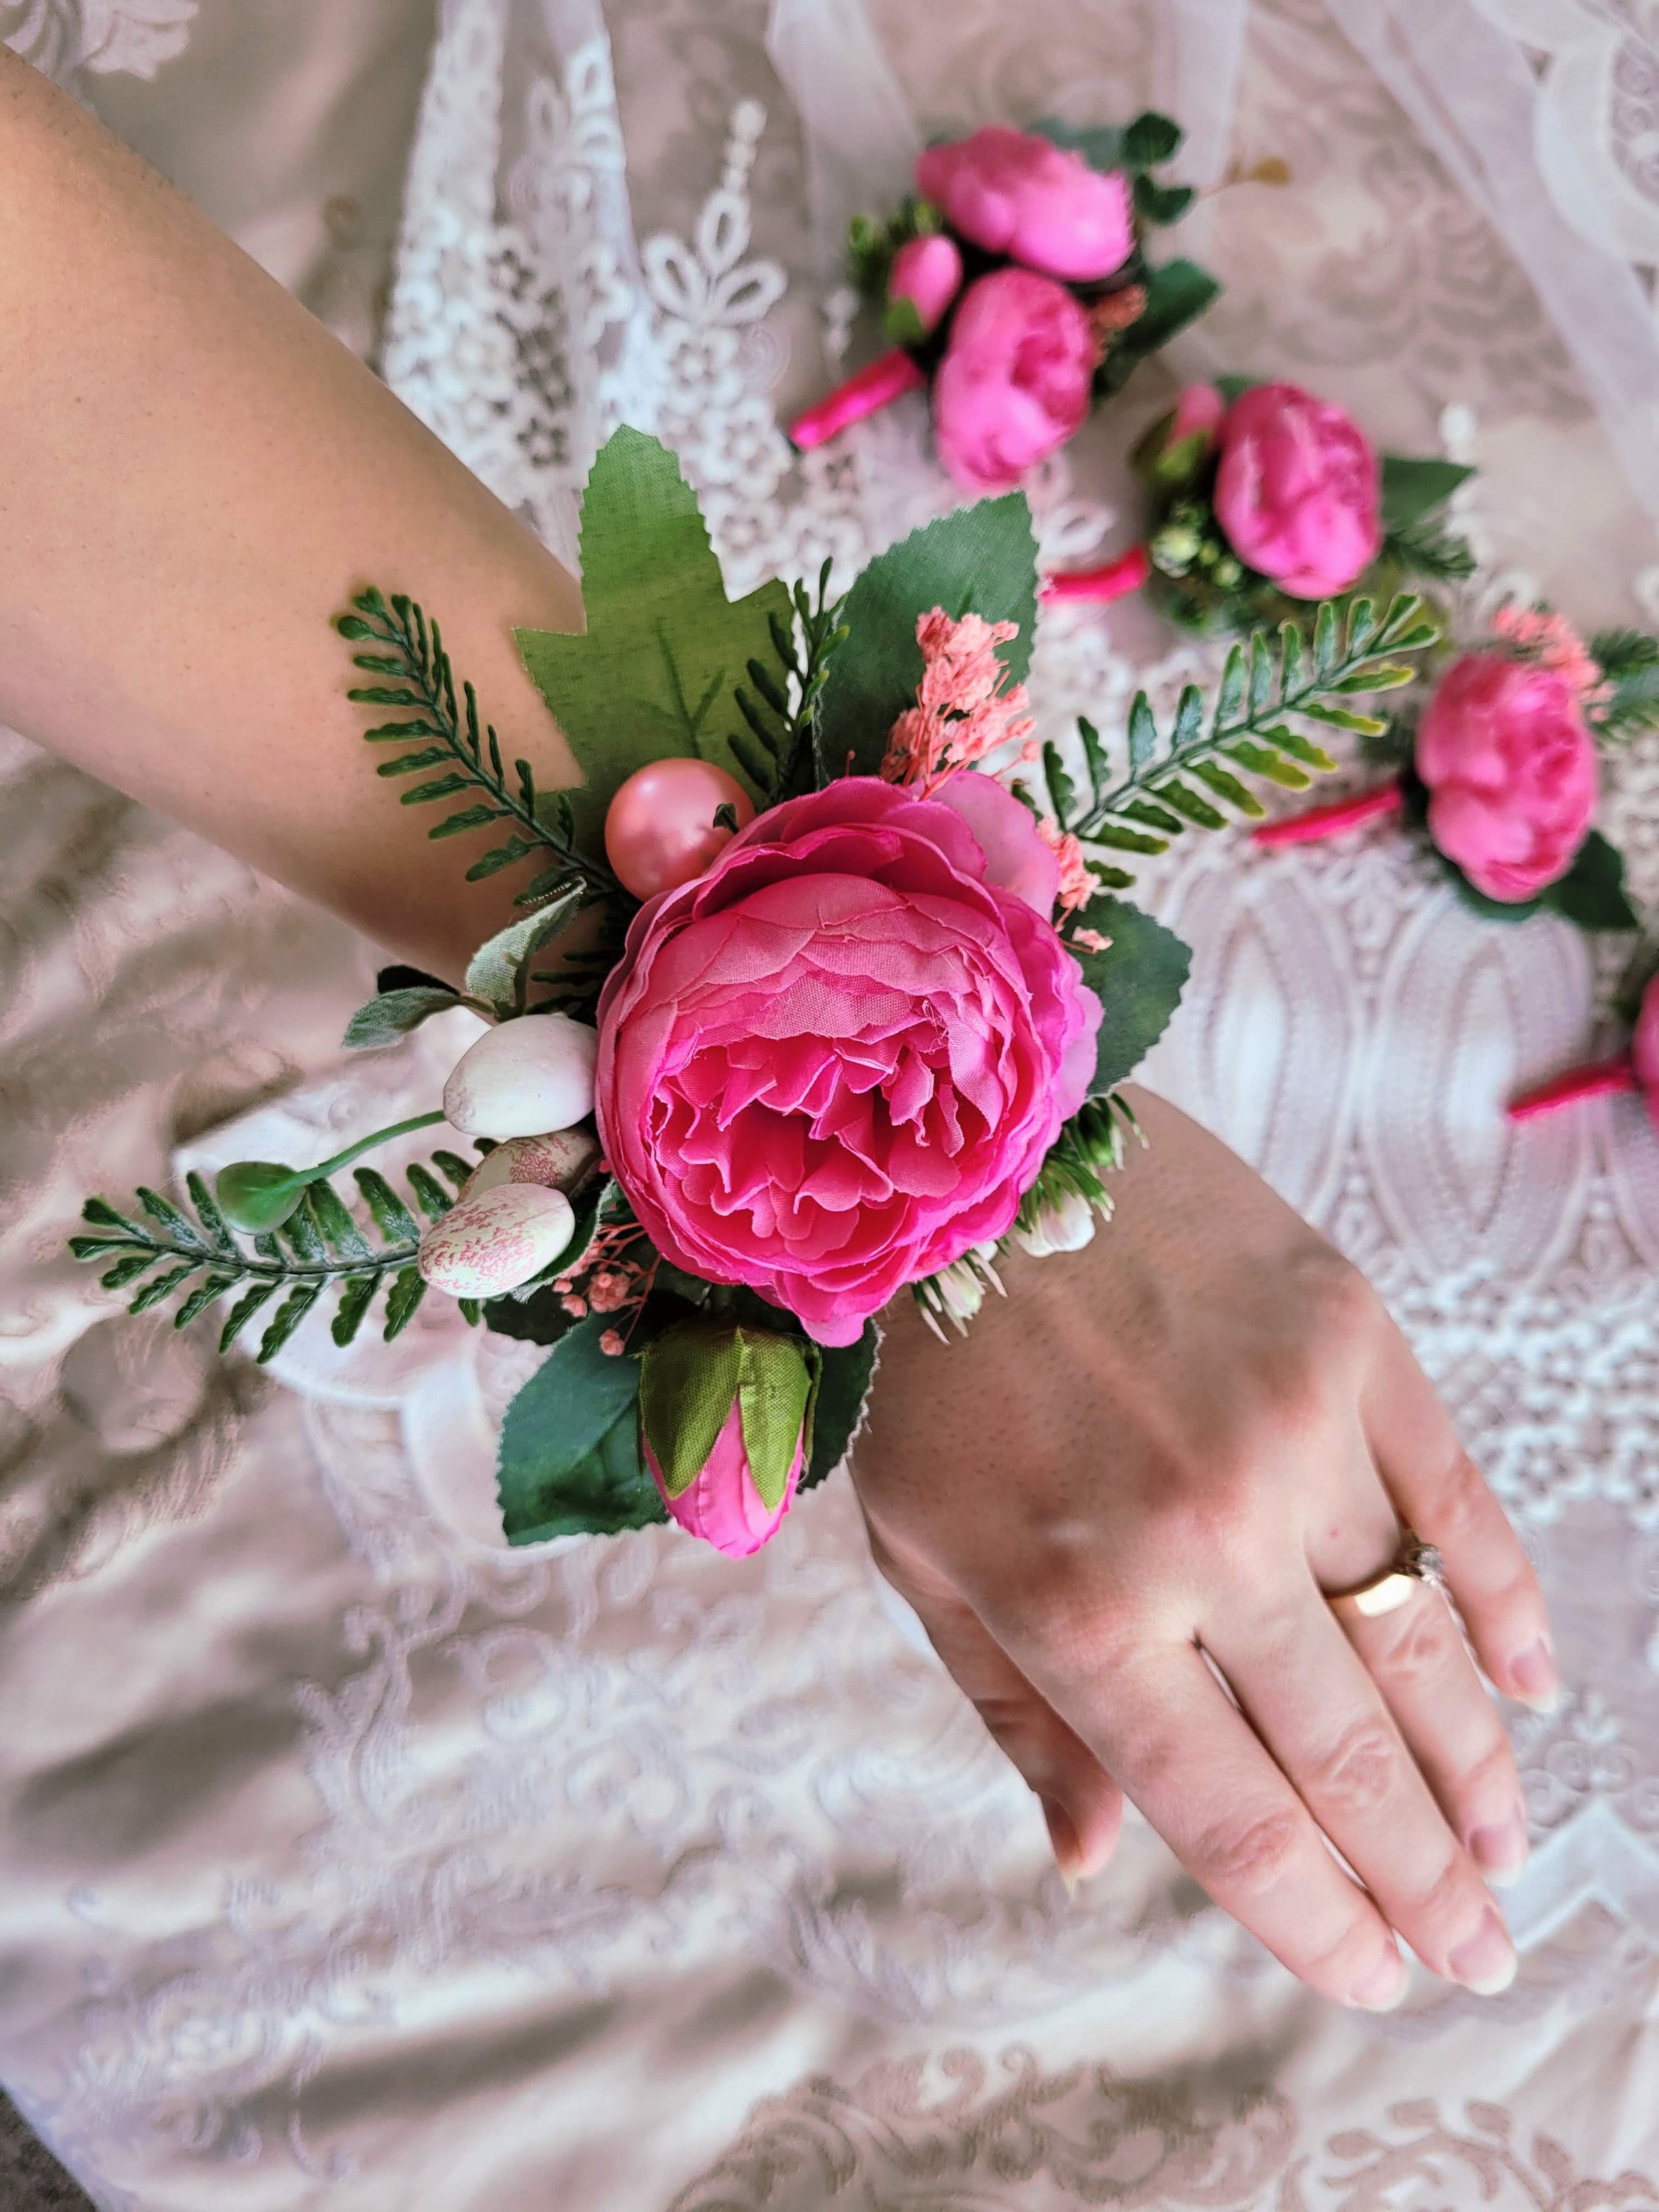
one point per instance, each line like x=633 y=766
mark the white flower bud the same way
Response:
x=1064 y=1223
x=524 y=1077
x=486 y=1245
x=557 y=1161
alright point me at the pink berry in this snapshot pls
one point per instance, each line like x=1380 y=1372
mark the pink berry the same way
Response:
x=660 y=831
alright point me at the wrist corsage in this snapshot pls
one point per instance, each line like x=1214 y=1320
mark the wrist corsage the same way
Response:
x=1500 y=768
x=1264 y=497
x=1016 y=290
x=809 y=1005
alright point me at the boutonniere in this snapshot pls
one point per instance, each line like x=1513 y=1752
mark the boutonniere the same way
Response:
x=1499 y=767
x=1017 y=292
x=1264 y=498
x=823 y=992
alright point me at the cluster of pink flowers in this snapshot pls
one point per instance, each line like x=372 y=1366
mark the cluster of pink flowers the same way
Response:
x=611 y=1281
x=1549 y=641
x=1076 y=886
x=962 y=712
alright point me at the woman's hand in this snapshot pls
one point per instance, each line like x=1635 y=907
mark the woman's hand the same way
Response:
x=1160 y=1452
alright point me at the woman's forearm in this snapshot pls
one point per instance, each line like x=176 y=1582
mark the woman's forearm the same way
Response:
x=194 y=476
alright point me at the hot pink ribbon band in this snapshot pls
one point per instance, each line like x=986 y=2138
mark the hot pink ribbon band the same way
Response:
x=871 y=390
x=1330 y=821
x=1114 y=581
x=1602 y=1079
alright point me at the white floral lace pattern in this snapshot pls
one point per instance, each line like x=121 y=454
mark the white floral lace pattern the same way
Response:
x=106 y=37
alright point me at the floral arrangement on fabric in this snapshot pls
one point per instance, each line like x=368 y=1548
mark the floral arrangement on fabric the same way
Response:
x=1264 y=498
x=1499 y=767
x=1016 y=289
x=808 y=1005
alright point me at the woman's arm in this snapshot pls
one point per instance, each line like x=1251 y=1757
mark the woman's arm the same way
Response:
x=1159 y=1449
x=194 y=476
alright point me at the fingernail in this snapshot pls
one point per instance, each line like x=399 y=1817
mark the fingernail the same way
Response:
x=1062 y=1835
x=1535 y=1677
x=1384 y=1987
x=1500 y=1850
x=1486 y=1962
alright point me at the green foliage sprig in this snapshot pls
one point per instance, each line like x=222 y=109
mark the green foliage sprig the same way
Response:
x=194 y=1254
x=412 y=652
x=1307 y=676
x=780 y=752
x=1629 y=661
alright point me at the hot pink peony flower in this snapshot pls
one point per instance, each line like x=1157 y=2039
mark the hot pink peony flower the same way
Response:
x=1016 y=379
x=837 y=1061
x=927 y=273
x=1299 y=491
x=722 y=1505
x=1511 y=767
x=1016 y=194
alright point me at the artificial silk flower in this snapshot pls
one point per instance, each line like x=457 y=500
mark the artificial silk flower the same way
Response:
x=1015 y=289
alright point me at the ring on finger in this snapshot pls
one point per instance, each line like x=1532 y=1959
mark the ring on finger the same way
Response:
x=1414 y=1565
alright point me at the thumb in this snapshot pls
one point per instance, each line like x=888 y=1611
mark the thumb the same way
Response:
x=1081 y=1804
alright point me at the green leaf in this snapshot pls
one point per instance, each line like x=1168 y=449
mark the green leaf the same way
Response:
x=159 y=1286
x=1216 y=778
x=334 y=1224
x=243 y=1312
x=116 y=1278
x=167 y=1216
x=1156 y=203
x=650 y=677
x=1176 y=295
x=287 y=1318
x=354 y=1301
x=1343 y=718
x=434 y=1201
x=499 y=971
x=403 y=1300
x=393 y=1014
x=214 y=1286
x=775 y=1391
x=1139 y=980
x=210 y=1216
x=1150 y=139
x=1592 y=892
x=1185 y=800
x=1411 y=488
x=845 y=1373
x=1293 y=742
x=1143 y=733
x=1125 y=841
x=1094 y=755
x=569 y=1462
x=386 y=1210
x=983 y=557
x=1062 y=798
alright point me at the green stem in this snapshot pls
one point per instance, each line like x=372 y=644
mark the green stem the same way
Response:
x=365 y=1143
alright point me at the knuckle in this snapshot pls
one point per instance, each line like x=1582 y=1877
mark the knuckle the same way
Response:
x=1423 y=1645
x=1248 y=1857
x=1064 y=1609
x=1445 y=1895
x=1491 y=1771
x=1465 y=1503
x=1360 y=1771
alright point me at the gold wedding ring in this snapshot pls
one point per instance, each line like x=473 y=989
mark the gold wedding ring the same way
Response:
x=1415 y=1563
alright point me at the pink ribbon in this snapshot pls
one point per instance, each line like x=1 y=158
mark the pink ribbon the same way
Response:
x=1113 y=582
x=874 y=388
x=1600 y=1078
x=1331 y=821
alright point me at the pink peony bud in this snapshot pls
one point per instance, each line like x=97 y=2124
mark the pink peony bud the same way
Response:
x=725 y=1418
x=1299 y=491
x=1016 y=381
x=1512 y=773
x=1017 y=194
x=925 y=278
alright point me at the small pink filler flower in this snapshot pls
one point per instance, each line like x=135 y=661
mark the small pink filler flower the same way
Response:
x=1299 y=491
x=1015 y=193
x=1512 y=768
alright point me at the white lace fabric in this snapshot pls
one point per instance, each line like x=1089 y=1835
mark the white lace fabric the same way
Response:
x=354 y=1860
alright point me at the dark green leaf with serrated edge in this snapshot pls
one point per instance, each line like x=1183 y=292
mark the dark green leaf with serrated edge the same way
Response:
x=214 y=1286
x=1155 y=817
x=1185 y=800
x=101 y=1212
x=844 y=1380
x=499 y=969
x=1189 y=718
x=653 y=672
x=1216 y=778
x=1126 y=841
x=1261 y=672
x=1156 y=203
x=1362 y=626
x=115 y=1277
x=1411 y=488
x=1325 y=653
x=1139 y=980
x=1343 y=718
x=243 y=1312
x=434 y=1201
x=569 y=1457
x=386 y=1209
x=1230 y=692
x=335 y=1224
x=1592 y=893
x=453 y=1169
x=1061 y=795
x=355 y=1299
x=1143 y=732
x=1299 y=747
x=1290 y=647
x=287 y=1318
x=208 y=1213
x=384 y=1019
x=1094 y=754
x=299 y=1233
x=1151 y=139
x=408 y=1289
x=473 y=817
x=167 y=1216
x=159 y=1286
x=981 y=558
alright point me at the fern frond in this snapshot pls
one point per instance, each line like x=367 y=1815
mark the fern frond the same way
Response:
x=1308 y=674
x=193 y=1255
x=441 y=735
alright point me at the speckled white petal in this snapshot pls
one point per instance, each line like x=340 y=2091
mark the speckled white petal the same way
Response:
x=495 y=1241
x=524 y=1077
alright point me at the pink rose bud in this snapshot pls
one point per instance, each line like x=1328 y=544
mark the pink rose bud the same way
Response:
x=491 y=1243
x=1016 y=381
x=1198 y=414
x=925 y=278
x=1512 y=768
x=1299 y=491
x=1039 y=203
x=725 y=1426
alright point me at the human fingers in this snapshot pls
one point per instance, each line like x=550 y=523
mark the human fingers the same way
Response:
x=1187 y=1760
x=1082 y=1805
x=1305 y=1691
x=1441 y=1493
x=1417 y=1659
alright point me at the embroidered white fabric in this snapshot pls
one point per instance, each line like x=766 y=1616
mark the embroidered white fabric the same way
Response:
x=354 y=1860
